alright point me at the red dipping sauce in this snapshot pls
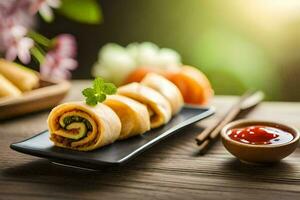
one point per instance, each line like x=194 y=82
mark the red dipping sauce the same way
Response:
x=258 y=135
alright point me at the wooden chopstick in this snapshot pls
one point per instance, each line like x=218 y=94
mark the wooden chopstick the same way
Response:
x=205 y=138
x=231 y=113
x=204 y=144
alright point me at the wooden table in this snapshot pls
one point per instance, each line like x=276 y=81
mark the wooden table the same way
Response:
x=170 y=170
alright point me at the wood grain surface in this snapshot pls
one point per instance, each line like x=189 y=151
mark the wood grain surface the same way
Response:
x=171 y=169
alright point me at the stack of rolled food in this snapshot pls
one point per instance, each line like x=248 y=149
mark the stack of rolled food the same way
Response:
x=16 y=79
x=135 y=109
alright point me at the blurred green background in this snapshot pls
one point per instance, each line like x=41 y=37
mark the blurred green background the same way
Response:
x=238 y=44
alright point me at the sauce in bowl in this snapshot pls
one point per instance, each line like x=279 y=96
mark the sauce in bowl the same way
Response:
x=260 y=135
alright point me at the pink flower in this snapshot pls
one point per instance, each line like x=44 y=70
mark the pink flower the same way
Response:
x=15 y=12
x=66 y=45
x=17 y=44
x=14 y=20
x=44 y=8
x=60 y=60
x=56 y=67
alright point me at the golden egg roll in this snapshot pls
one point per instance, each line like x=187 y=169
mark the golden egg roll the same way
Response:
x=133 y=115
x=166 y=88
x=25 y=79
x=7 y=89
x=77 y=126
x=159 y=108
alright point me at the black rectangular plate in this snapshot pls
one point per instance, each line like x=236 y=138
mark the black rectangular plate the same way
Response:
x=116 y=153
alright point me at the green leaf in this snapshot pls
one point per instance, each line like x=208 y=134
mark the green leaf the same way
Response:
x=109 y=88
x=101 y=97
x=98 y=92
x=88 y=92
x=84 y=11
x=92 y=101
x=98 y=84
x=39 y=38
x=37 y=54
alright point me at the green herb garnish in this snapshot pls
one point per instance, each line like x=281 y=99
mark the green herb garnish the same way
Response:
x=97 y=93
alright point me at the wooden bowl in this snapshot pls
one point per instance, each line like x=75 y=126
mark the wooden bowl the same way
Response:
x=46 y=96
x=259 y=154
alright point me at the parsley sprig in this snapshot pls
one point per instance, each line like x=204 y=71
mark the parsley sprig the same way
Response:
x=98 y=92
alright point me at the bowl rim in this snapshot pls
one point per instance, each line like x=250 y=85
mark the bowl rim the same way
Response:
x=235 y=123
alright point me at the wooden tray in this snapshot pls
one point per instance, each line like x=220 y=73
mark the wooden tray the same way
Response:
x=46 y=96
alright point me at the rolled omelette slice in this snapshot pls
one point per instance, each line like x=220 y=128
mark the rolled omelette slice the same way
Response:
x=7 y=89
x=166 y=88
x=77 y=126
x=159 y=108
x=24 y=78
x=133 y=115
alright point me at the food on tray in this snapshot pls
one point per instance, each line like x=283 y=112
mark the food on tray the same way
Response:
x=133 y=115
x=23 y=78
x=166 y=88
x=24 y=91
x=78 y=126
x=7 y=88
x=158 y=107
x=193 y=85
x=105 y=117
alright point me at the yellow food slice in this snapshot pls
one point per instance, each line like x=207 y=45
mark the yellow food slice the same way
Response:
x=165 y=88
x=7 y=89
x=156 y=103
x=133 y=115
x=104 y=126
x=25 y=79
